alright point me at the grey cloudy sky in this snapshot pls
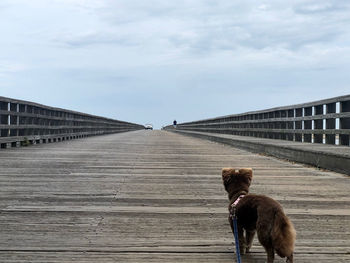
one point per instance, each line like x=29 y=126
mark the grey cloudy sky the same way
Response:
x=156 y=60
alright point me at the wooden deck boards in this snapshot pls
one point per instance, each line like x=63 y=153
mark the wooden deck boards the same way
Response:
x=153 y=196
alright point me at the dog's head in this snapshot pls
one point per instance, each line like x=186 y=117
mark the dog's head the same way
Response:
x=237 y=180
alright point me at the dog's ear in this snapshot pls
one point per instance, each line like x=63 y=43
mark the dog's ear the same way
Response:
x=247 y=172
x=226 y=174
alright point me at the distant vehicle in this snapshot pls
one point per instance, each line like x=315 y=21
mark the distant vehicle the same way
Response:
x=149 y=127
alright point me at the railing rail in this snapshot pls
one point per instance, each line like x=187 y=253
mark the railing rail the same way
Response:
x=24 y=121
x=324 y=121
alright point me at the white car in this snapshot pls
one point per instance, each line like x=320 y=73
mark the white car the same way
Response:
x=149 y=127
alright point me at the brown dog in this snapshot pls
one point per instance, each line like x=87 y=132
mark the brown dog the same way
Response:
x=258 y=213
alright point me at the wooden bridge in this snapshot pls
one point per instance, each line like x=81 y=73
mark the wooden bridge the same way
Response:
x=134 y=195
x=155 y=196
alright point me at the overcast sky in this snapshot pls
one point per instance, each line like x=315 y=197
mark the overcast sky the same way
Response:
x=153 y=61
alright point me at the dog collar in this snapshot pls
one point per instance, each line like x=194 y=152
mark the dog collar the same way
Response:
x=235 y=203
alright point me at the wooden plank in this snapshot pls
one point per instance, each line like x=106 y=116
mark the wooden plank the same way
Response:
x=93 y=257
x=152 y=196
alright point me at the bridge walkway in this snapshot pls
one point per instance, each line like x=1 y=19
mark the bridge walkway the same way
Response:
x=155 y=196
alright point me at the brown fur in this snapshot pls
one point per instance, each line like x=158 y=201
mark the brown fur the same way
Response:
x=258 y=213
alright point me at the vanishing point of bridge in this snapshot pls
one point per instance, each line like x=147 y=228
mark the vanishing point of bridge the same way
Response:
x=156 y=196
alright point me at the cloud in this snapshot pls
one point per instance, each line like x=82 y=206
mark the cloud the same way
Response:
x=11 y=67
x=202 y=27
x=95 y=38
x=315 y=7
x=84 y=4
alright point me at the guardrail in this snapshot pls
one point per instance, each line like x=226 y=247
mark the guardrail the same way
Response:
x=24 y=122
x=325 y=121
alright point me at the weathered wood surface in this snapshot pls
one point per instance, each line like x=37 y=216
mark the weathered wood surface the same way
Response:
x=153 y=196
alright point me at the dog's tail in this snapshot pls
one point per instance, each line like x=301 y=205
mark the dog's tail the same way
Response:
x=283 y=235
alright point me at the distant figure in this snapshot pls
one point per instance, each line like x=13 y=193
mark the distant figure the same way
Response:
x=174 y=123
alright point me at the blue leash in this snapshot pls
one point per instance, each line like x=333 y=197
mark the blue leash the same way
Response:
x=235 y=229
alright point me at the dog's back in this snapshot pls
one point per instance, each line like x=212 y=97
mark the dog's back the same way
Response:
x=266 y=216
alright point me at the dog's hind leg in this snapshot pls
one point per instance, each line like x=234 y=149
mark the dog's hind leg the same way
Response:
x=249 y=236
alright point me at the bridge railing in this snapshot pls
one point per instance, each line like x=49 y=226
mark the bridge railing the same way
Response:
x=23 y=122
x=325 y=121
